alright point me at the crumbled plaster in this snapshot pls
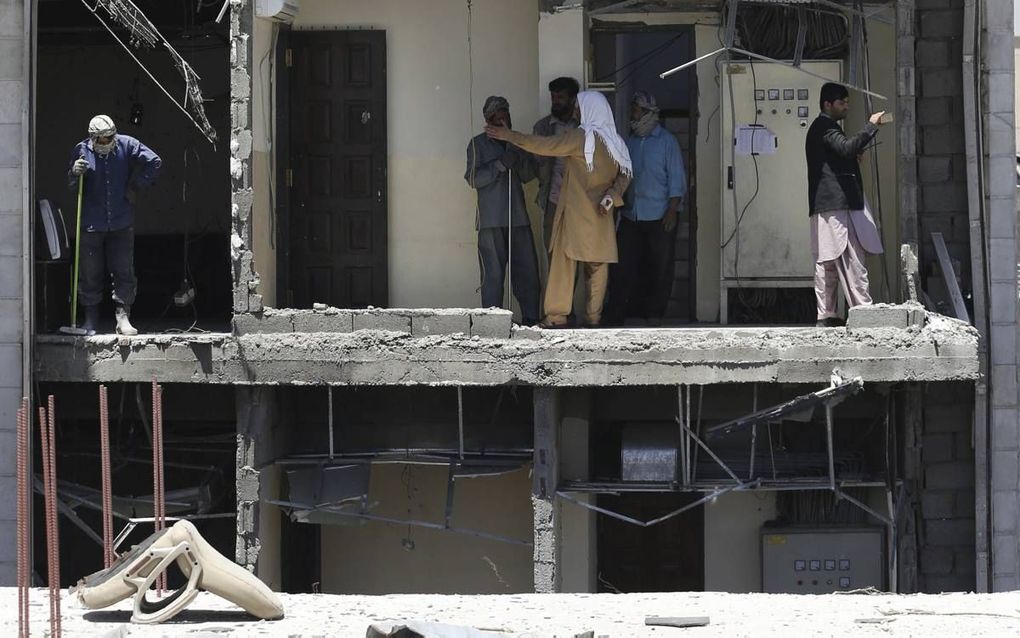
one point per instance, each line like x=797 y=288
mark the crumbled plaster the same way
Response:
x=942 y=349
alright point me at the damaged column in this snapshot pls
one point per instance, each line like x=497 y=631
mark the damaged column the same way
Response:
x=543 y=495
x=259 y=440
x=245 y=279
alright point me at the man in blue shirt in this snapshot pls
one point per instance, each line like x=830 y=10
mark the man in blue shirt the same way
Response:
x=114 y=167
x=646 y=232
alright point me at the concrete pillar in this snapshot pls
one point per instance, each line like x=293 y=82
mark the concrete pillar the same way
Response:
x=543 y=495
x=15 y=204
x=256 y=447
x=1003 y=246
x=246 y=280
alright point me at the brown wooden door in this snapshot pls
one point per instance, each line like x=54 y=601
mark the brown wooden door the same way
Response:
x=668 y=556
x=337 y=221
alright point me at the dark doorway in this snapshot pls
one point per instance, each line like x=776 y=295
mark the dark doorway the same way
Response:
x=628 y=59
x=668 y=556
x=336 y=219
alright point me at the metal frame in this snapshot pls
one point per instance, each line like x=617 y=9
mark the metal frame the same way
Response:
x=729 y=47
x=829 y=397
x=457 y=469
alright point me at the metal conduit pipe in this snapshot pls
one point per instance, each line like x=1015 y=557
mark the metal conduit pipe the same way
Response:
x=974 y=143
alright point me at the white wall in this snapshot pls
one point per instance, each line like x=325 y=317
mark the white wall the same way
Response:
x=370 y=559
x=263 y=168
x=434 y=108
x=732 y=540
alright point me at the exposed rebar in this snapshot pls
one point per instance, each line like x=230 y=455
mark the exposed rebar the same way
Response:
x=107 y=488
x=158 y=492
x=24 y=481
x=55 y=584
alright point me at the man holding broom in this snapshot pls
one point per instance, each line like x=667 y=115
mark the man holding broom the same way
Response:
x=106 y=171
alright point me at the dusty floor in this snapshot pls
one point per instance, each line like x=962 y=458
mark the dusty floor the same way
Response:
x=562 y=615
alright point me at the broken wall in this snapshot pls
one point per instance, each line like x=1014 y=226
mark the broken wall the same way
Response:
x=384 y=558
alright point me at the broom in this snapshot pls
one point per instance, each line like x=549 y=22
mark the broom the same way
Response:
x=73 y=329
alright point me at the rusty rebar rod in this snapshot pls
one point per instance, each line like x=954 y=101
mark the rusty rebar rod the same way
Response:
x=24 y=481
x=44 y=439
x=162 y=484
x=51 y=401
x=107 y=488
x=158 y=512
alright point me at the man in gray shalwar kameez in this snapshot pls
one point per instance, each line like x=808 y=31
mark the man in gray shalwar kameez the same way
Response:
x=496 y=170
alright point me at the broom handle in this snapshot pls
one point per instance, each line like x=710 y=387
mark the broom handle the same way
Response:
x=77 y=249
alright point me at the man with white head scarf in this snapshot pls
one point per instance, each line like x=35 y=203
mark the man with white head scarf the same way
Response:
x=113 y=168
x=646 y=234
x=597 y=171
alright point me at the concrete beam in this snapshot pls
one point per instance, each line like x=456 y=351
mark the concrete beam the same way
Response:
x=944 y=349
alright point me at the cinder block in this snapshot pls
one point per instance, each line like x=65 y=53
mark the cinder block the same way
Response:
x=964 y=504
x=1005 y=429
x=249 y=323
x=937 y=560
x=8 y=456
x=494 y=324
x=932 y=53
x=937 y=448
x=10 y=366
x=949 y=476
x=1005 y=582
x=1004 y=553
x=948 y=583
x=10 y=232
x=1004 y=511
x=441 y=324
x=942 y=140
x=964 y=561
x=938 y=505
x=878 y=316
x=947 y=418
x=10 y=277
x=941 y=24
x=934 y=170
x=932 y=111
x=331 y=320
x=944 y=198
x=1004 y=471
x=941 y=82
x=8 y=540
x=382 y=320
x=949 y=532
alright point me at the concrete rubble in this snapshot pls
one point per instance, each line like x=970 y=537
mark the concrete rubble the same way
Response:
x=565 y=615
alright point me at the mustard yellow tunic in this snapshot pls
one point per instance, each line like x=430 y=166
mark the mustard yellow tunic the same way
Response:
x=579 y=229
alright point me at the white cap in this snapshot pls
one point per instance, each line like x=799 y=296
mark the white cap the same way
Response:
x=101 y=126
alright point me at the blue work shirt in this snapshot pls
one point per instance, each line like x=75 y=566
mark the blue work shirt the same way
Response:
x=111 y=182
x=658 y=175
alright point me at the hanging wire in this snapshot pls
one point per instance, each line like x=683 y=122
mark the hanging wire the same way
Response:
x=143 y=34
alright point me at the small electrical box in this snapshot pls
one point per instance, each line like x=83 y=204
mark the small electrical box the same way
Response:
x=813 y=560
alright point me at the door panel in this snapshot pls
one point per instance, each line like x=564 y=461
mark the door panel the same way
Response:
x=338 y=215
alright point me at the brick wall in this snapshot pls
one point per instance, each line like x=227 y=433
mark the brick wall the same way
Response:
x=12 y=99
x=947 y=559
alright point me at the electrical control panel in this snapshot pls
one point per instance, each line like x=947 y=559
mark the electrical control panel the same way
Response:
x=822 y=560
x=766 y=109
